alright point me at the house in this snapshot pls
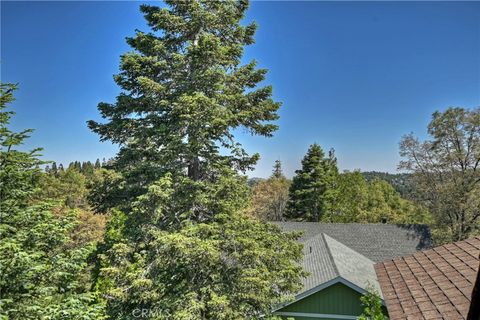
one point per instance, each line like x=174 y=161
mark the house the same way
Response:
x=433 y=284
x=340 y=259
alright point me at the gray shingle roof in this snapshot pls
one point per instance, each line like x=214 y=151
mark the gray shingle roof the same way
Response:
x=326 y=259
x=350 y=250
x=352 y=266
x=378 y=242
x=318 y=262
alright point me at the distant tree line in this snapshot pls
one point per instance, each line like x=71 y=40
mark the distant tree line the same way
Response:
x=441 y=186
x=85 y=167
x=401 y=182
x=319 y=192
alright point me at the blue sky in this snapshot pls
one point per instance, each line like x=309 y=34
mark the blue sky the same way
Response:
x=352 y=76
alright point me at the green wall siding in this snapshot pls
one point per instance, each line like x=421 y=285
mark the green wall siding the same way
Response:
x=337 y=299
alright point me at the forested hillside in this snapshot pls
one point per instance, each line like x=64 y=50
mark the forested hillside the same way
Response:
x=402 y=182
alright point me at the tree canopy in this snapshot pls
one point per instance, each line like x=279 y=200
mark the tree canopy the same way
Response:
x=312 y=185
x=181 y=243
x=446 y=171
x=41 y=274
x=359 y=200
x=185 y=90
x=270 y=196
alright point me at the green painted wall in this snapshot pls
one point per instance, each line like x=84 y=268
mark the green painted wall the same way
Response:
x=337 y=299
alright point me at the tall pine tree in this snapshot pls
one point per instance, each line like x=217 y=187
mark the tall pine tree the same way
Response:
x=184 y=92
x=178 y=243
x=277 y=171
x=312 y=185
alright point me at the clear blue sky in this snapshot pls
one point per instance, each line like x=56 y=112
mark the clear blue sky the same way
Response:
x=352 y=76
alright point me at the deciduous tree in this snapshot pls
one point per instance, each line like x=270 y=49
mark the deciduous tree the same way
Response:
x=358 y=200
x=270 y=197
x=372 y=306
x=447 y=171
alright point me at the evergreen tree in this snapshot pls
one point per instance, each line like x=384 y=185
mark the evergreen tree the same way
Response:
x=180 y=242
x=87 y=169
x=40 y=275
x=277 y=170
x=313 y=185
x=97 y=164
x=76 y=165
x=189 y=91
x=54 y=169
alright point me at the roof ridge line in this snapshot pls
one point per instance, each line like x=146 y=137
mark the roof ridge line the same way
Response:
x=327 y=245
x=357 y=223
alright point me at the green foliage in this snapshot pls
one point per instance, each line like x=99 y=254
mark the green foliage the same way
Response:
x=233 y=267
x=184 y=92
x=360 y=201
x=313 y=186
x=40 y=273
x=319 y=193
x=401 y=182
x=373 y=309
x=106 y=187
x=446 y=171
x=19 y=171
x=68 y=185
x=178 y=243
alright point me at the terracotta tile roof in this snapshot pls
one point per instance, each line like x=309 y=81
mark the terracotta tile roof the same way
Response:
x=432 y=284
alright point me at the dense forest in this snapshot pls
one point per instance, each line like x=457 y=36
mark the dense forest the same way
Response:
x=402 y=182
x=171 y=224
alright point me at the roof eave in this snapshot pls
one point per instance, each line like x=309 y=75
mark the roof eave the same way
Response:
x=325 y=285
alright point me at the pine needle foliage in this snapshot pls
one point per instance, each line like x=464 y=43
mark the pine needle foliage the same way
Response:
x=178 y=244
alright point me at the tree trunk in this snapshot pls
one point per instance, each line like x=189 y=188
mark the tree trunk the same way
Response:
x=194 y=169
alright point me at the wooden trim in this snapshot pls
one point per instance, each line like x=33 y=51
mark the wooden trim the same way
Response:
x=323 y=286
